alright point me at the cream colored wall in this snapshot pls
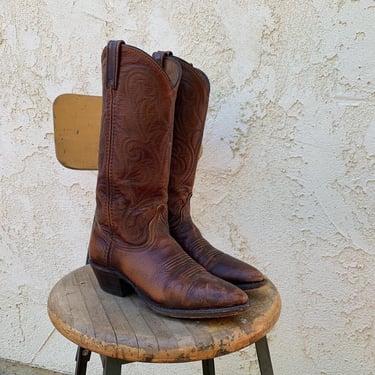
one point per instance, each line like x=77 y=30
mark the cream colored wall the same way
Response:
x=286 y=180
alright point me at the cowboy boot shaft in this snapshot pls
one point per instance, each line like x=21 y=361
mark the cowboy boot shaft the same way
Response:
x=134 y=160
x=190 y=115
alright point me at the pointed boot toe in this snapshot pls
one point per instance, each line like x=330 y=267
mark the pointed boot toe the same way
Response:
x=241 y=274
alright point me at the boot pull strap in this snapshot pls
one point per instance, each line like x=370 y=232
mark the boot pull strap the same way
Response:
x=113 y=58
x=159 y=56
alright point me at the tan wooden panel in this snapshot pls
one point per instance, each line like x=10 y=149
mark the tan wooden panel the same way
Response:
x=77 y=120
x=126 y=329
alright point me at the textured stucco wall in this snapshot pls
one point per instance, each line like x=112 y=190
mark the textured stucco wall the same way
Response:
x=286 y=180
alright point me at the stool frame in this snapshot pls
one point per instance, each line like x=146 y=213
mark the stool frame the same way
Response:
x=112 y=366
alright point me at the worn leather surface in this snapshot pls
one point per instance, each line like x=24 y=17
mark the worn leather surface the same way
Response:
x=190 y=115
x=130 y=231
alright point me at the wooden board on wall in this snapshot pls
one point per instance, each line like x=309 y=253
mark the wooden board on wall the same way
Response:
x=77 y=120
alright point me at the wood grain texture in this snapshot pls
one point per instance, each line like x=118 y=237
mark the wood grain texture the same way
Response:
x=126 y=329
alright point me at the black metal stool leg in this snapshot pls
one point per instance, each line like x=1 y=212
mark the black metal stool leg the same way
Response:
x=264 y=357
x=82 y=357
x=208 y=366
x=111 y=366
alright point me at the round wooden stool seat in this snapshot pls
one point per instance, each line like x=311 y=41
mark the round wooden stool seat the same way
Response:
x=125 y=329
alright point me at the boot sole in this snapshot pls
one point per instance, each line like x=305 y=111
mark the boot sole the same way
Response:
x=250 y=286
x=115 y=283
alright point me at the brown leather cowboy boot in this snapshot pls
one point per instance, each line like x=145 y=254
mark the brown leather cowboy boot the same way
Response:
x=131 y=247
x=190 y=115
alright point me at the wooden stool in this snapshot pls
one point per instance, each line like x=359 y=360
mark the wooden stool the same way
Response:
x=124 y=330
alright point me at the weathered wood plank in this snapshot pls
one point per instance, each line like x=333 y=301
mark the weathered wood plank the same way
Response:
x=126 y=329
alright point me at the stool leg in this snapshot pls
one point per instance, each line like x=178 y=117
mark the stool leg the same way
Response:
x=111 y=366
x=208 y=366
x=82 y=357
x=264 y=357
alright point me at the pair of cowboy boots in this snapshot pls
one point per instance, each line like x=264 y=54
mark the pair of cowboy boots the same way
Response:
x=143 y=237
